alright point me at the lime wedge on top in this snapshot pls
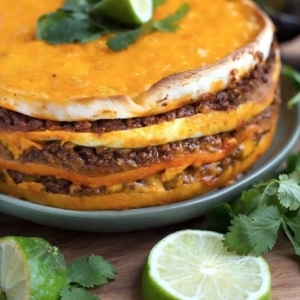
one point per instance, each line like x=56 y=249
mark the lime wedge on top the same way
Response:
x=130 y=12
x=30 y=269
x=193 y=264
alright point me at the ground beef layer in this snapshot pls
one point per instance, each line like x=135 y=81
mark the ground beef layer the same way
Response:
x=151 y=191
x=207 y=173
x=230 y=98
x=101 y=161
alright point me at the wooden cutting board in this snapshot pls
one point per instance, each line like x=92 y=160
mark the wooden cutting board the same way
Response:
x=128 y=252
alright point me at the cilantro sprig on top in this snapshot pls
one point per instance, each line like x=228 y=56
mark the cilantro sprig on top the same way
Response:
x=79 y=21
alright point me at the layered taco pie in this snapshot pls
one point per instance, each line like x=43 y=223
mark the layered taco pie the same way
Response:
x=172 y=116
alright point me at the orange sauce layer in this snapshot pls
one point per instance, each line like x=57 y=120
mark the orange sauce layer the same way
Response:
x=17 y=145
x=151 y=196
x=209 y=32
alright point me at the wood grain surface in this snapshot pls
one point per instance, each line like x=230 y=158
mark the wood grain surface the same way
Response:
x=128 y=252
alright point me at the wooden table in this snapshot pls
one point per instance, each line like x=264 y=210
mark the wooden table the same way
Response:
x=128 y=252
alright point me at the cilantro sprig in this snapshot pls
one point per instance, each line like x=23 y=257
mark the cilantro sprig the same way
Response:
x=255 y=219
x=77 y=21
x=2 y=295
x=169 y=24
x=87 y=273
x=157 y=3
x=294 y=75
x=253 y=222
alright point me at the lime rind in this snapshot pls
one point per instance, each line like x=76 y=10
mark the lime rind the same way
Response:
x=31 y=269
x=151 y=290
x=193 y=264
x=130 y=12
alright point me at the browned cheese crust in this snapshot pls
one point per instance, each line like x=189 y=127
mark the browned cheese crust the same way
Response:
x=229 y=98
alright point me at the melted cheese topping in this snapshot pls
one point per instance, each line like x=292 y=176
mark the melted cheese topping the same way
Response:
x=69 y=82
x=74 y=71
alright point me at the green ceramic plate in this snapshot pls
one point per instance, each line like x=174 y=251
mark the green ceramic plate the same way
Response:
x=111 y=221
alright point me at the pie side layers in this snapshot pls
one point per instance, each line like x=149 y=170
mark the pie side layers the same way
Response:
x=170 y=185
x=193 y=123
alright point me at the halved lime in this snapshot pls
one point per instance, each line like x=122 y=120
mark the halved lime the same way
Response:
x=193 y=264
x=31 y=269
x=131 y=12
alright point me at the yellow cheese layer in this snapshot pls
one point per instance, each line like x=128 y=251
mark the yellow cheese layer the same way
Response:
x=97 y=178
x=209 y=32
x=179 y=129
x=153 y=194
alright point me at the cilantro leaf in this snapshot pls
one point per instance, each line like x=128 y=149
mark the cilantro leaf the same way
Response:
x=2 y=295
x=219 y=218
x=170 y=23
x=81 y=272
x=78 y=21
x=254 y=198
x=250 y=201
x=292 y=163
x=294 y=100
x=75 y=2
x=92 y=3
x=294 y=225
x=254 y=234
x=291 y=73
x=105 y=270
x=79 y=5
x=124 y=40
x=74 y=293
x=75 y=6
x=90 y=272
x=63 y=27
x=157 y=3
x=258 y=214
x=289 y=190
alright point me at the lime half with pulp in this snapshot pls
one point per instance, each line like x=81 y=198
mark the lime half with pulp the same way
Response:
x=130 y=12
x=194 y=264
x=30 y=269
